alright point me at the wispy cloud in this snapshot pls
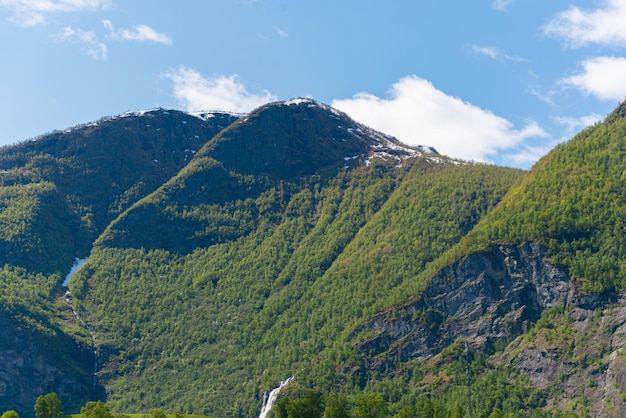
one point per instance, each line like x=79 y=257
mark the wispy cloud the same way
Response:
x=419 y=114
x=545 y=95
x=93 y=45
x=226 y=93
x=502 y=5
x=141 y=33
x=87 y=40
x=604 y=26
x=34 y=12
x=574 y=125
x=494 y=53
x=602 y=77
x=280 y=32
x=526 y=155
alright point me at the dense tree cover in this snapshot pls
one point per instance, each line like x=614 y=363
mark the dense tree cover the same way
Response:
x=25 y=212
x=273 y=297
x=573 y=202
x=236 y=274
x=59 y=192
x=488 y=397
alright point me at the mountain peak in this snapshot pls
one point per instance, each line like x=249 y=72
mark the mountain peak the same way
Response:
x=302 y=137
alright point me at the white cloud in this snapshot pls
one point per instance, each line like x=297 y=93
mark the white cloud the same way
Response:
x=419 y=114
x=34 y=12
x=603 y=26
x=280 y=32
x=602 y=77
x=226 y=93
x=488 y=51
x=495 y=53
x=139 y=33
x=502 y=5
x=574 y=125
x=88 y=41
x=527 y=155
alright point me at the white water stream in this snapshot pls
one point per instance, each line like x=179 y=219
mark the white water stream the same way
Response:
x=78 y=263
x=268 y=401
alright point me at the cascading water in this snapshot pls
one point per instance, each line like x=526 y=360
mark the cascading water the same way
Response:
x=268 y=401
x=78 y=263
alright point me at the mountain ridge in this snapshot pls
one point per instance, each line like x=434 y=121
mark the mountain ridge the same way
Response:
x=297 y=241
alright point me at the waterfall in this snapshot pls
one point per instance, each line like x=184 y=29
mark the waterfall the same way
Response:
x=268 y=401
x=78 y=263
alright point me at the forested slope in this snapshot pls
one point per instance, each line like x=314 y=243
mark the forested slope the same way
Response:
x=58 y=192
x=238 y=274
x=227 y=253
x=533 y=294
x=574 y=203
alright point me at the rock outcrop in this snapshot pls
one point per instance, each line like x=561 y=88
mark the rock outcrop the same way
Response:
x=577 y=357
x=488 y=296
x=35 y=363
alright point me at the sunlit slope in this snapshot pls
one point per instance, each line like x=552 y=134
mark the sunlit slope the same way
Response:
x=574 y=203
x=236 y=274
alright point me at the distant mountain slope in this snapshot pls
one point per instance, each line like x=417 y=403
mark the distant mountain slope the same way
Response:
x=298 y=138
x=57 y=193
x=537 y=287
x=227 y=253
x=96 y=171
x=212 y=199
x=253 y=261
x=27 y=210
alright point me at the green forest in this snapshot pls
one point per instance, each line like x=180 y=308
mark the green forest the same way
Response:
x=213 y=276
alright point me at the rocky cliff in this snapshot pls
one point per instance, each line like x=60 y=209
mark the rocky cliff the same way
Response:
x=578 y=358
x=488 y=296
x=38 y=359
x=570 y=345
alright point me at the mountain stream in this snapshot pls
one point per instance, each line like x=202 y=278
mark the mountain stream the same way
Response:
x=78 y=263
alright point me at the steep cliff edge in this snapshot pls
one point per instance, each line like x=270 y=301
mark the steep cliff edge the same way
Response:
x=37 y=359
x=570 y=345
x=488 y=296
x=577 y=358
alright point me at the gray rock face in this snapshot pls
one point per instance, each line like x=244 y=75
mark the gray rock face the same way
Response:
x=488 y=296
x=31 y=366
x=579 y=358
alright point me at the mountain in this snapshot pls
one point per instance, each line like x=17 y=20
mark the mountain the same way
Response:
x=278 y=144
x=86 y=176
x=228 y=252
x=266 y=262
x=537 y=286
x=58 y=192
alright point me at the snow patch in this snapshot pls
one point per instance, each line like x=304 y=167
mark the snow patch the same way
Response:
x=135 y=113
x=206 y=115
x=300 y=100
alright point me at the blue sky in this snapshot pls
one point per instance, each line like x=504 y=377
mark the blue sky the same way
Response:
x=499 y=81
